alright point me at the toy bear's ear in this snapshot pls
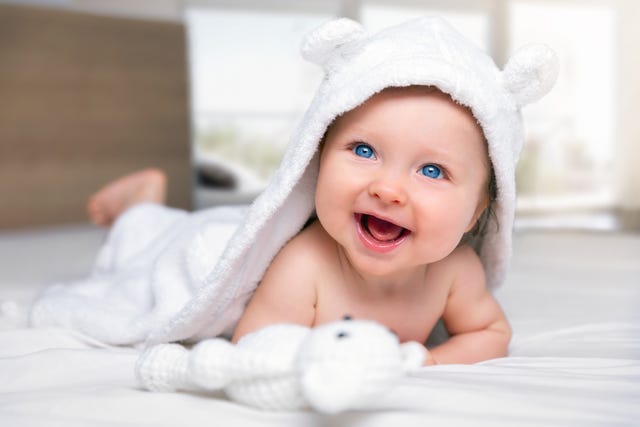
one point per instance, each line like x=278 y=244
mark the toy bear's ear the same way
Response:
x=319 y=45
x=530 y=73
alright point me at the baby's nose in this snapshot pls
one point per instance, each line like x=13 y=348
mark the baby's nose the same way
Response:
x=389 y=191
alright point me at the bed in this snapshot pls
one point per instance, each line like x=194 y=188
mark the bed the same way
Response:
x=572 y=299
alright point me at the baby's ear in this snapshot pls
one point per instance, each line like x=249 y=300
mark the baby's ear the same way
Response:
x=319 y=45
x=530 y=73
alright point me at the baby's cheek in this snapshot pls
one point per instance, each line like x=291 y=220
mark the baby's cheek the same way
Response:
x=322 y=200
x=329 y=191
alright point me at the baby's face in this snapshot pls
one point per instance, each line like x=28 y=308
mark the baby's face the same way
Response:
x=402 y=178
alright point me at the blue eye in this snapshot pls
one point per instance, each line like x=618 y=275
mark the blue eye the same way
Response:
x=364 y=150
x=432 y=171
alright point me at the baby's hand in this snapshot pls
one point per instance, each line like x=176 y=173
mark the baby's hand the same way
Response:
x=429 y=360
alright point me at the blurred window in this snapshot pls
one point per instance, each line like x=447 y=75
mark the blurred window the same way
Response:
x=567 y=161
x=249 y=89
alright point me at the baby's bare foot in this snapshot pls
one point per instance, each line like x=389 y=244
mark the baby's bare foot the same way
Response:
x=148 y=185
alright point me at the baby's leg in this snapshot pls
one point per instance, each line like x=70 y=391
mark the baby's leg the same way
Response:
x=147 y=185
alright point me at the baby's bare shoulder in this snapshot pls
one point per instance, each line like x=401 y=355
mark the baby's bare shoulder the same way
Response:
x=462 y=266
x=312 y=244
x=287 y=292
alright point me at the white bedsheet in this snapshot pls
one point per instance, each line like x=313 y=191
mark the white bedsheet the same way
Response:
x=575 y=359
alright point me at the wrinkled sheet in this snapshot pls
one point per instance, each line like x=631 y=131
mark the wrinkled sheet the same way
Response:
x=574 y=361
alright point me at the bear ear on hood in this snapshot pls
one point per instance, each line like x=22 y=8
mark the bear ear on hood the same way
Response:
x=319 y=45
x=530 y=73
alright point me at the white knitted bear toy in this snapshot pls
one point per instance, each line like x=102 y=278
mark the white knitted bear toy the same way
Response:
x=330 y=368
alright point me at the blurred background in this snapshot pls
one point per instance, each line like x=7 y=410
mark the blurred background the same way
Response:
x=210 y=90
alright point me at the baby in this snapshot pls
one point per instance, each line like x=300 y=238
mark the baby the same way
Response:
x=402 y=178
x=403 y=170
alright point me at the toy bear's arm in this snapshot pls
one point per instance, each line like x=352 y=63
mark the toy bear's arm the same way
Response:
x=213 y=364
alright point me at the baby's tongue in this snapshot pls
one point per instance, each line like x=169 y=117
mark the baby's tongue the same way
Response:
x=382 y=230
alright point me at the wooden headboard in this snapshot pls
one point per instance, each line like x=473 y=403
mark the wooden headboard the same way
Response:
x=84 y=99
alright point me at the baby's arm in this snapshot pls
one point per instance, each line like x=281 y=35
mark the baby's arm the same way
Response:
x=478 y=327
x=286 y=293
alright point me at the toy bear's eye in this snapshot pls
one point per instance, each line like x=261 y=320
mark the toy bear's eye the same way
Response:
x=342 y=334
x=346 y=317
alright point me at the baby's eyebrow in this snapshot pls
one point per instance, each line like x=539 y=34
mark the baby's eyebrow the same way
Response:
x=440 y=155
x=447 y=155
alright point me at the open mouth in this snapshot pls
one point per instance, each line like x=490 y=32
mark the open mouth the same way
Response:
x=379 y=234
